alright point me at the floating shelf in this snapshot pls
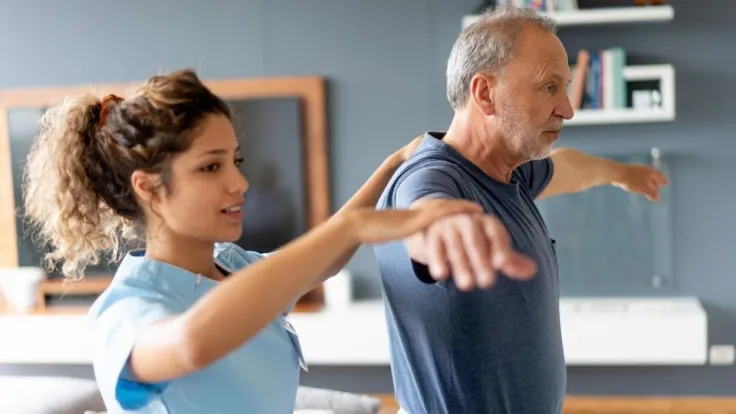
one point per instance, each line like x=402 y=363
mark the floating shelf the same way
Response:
x=665 y=74
x=619 y=116
x=609 y=15
x=595 y=331
x=92 y=286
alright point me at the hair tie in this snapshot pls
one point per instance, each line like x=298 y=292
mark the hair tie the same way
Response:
x=105 y=107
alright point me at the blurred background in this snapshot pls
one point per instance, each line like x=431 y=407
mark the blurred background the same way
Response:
x=383 y=65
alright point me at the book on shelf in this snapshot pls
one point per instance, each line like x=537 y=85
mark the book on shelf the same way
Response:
x=572 y=5
x=598 y=80
x=542 y=5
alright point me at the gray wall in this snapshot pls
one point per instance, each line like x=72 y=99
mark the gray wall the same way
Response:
x=386 y=71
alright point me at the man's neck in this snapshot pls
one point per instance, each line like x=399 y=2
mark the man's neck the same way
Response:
x=488 y=153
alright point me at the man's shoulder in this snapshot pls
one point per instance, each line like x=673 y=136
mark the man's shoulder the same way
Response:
x=425 y=168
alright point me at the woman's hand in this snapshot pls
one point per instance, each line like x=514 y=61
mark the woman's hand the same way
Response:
x=474 y=249
x=379 y=226
x=405 y=152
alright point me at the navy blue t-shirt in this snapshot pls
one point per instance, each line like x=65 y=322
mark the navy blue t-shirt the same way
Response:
x=485 y=351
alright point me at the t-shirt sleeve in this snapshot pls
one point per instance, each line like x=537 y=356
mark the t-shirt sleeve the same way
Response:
x=114 y=332
x=536 y=174
x=435 y=182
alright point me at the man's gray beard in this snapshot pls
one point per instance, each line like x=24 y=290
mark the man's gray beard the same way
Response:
x=540 y=152
x=525 y=145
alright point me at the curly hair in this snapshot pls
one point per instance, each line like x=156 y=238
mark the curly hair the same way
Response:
x=78 y=195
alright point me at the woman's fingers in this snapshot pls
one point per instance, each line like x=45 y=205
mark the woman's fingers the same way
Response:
x=378 y=226
x=505 y=258
x=462 y=272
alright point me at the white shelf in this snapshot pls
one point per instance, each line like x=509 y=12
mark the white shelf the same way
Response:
x=634 y=331
x=44 y=339
x=665 y=74
x=624 y=331
x=618 y=116
x=611 y=15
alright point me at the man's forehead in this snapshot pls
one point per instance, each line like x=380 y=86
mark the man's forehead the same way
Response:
x=547 y=69
x=550 y=64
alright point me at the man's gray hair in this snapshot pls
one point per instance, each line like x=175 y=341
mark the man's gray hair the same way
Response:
x=487 y=45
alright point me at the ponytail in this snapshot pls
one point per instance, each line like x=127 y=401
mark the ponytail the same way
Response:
x=60 y=202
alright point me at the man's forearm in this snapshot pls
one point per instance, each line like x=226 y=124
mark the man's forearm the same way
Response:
x=590 y=171
x=575 y=171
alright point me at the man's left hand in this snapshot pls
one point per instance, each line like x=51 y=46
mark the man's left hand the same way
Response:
x=642 y=179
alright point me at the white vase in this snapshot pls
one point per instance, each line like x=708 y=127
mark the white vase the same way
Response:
x=19 y=286
x=338 y=290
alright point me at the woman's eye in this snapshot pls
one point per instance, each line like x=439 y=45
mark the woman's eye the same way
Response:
x=211 y=168
x=239 y=162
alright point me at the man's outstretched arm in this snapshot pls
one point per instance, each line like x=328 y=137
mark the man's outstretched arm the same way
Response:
x=575 y=171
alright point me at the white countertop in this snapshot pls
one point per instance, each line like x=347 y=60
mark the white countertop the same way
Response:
x=624 y=331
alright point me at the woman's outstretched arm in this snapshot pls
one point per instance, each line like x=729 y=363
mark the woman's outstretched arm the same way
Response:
x=367 y=197
x=240 y=306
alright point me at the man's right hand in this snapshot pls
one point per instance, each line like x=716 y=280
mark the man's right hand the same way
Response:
x=472 y=248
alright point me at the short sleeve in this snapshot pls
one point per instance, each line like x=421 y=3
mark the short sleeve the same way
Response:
x=114 y=332
x=436 y=182
x=536 y=174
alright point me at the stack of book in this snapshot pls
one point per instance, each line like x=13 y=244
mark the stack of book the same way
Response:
x=598 y=80
x=542 y=5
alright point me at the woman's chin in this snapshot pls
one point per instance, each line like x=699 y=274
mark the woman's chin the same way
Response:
x=229 y=237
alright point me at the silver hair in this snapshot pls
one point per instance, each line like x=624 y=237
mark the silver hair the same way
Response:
x=488 y=45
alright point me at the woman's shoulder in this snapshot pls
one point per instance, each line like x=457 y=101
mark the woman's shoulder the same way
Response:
x=139 y=281
x=234 y=257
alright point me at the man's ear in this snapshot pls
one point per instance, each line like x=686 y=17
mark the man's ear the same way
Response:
x=482 y=87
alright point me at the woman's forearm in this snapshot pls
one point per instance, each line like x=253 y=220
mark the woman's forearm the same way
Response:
x=252 y=297
x=240 y=306
x=368 y=194
x=366 y=197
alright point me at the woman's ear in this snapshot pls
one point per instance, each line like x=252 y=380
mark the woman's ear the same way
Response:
x=144 y=186
x=482 y=86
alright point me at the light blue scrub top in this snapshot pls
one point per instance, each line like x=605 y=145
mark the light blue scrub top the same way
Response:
x=261 y=376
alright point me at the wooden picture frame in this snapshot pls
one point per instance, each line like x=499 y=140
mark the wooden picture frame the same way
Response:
x=310 y=91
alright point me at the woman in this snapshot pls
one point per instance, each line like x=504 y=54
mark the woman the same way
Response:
x=193 y=323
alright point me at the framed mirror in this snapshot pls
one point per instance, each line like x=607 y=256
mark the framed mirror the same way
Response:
x=281 y=125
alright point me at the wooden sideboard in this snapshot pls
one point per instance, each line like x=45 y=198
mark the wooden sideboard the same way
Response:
x=623 y=405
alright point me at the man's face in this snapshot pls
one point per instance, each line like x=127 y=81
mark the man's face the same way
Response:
x=531 y=95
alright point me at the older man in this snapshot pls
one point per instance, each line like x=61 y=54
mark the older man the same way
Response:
x=455 y=349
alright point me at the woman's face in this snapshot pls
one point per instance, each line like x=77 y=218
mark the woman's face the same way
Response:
x=205 y=196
